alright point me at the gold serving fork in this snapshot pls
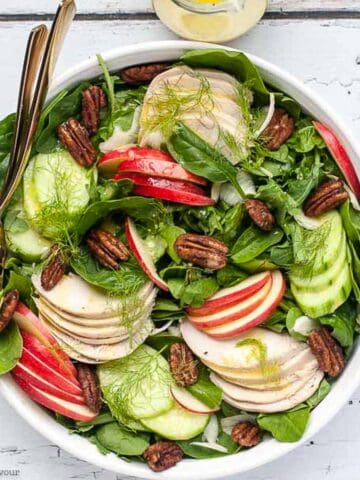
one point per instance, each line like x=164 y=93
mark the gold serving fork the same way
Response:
x=38 y=67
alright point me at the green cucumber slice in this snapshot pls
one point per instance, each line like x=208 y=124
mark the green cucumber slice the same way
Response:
x=322 y=280
x=21 y=239
x=317 y=303
x=177 y=424
x=137 y=386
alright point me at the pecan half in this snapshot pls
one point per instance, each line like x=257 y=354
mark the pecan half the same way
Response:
x=76 y=140
x=163 y=455
x=107 y=248
x=183 y=365
x=280 y=128
x=202 y=250
x=143 y=73
x=90 y=386
x=246 y=434
x=260 y=214
x=55 y=269
x=327 y=351
x=327 y=196
x=8 y=308
x=93 y=100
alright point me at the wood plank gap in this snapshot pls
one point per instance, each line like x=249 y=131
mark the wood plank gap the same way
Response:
x=140 y=16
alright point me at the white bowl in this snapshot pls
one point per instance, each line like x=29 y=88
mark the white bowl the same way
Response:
x=270 y=449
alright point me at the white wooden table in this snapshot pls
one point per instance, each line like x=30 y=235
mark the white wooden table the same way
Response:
x=317 y=40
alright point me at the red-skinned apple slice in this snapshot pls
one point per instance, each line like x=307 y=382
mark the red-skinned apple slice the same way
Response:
x=340 y=156
x=48 y=372
x=160 y=168
x=141 y=254
x=169 y=195
x=109 y=163
x=230 y=296
x=257 y=316
x=187 y=401
x=52 y=402
x=29 y=376
x=29 y=322
x=221 y=316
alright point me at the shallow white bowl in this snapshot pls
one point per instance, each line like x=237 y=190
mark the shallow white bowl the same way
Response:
x=270 y=449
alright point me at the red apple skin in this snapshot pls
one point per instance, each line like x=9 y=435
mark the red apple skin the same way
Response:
x=217 y=318
x=207 y=410
x=154 y=277
x=232 y=330
x=109 y=163
x=23 y=372
x=340 y=156
x=222 y=302
x=174 y=197
x=55 y=350
x=160 y=168
x=47 y=371
x=68 y=409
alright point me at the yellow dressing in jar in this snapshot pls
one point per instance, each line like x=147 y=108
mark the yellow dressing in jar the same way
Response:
x=210 y=20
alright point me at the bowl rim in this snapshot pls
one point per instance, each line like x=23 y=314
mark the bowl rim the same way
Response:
x=270 y=449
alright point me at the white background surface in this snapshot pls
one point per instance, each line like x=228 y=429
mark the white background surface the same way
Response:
x=317 y=40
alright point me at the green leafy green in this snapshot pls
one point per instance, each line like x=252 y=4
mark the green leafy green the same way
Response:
x=292 y=315
x=10 y=347
x=286 y=426
x=195 y=451
x=111 y=189
x=197 y=156
x=279 y=199
x=305 y=138
x=165 y=310
x=351 y=222
x=121 y=441
x=307 y=177
x=230 y=275
x=162 y=341
x=7 y=125
x=205 y=391
x=342 y=323
x=319 y=395
x=170 y=233
x=252 y=242
x=193 y=293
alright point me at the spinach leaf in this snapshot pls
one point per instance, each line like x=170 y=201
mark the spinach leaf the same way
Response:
x=230 y=275
x=289 y=104
x=194 y=451
x=197 y=156
x=10 y=347
x=21 y=283
x=66 y=104
x=127 y=280
x=193 y=293
x=292 y=315
x=342 y=323
x=319 y=395
x=282 y=255
x=286 y=426
x=205 y=391
x=276 y=322
x=275 y=196
x=354 y=264
x=7 y=125
x=235 y=63
x=165 y=310
x=305 y=138
x=101 y=419
x=351 y=222
x=139 y=208
x=307 y=177
x=170 y=233
x=111 y=189
x=121 y=441
x=162 y=341
x=258 y=265
x=252 y=242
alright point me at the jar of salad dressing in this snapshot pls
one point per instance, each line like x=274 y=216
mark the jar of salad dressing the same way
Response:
x=210 y=20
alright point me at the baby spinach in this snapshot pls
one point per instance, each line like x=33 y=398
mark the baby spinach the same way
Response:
x=277 y=198
x=235 y=63
x=162 y=341
x=165 y=309
x=286 y=426
x=351 y=222
x=195 y=451
x=342 y=323
x=197 y=156
x=101 y=419
x=6 y=132
x=121 y=441
x=307 y=177
x=282 y=255
x=292 y=315
x=205 y=391
x=111 y=189
x=170 y=233
x=252 y=242
x=305 y=138
x=230 y=275
x=276 y=322
x=193 y=293
x=319 y=395
x=10 y=347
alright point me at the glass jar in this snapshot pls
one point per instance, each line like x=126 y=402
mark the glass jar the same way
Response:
x=210 y=20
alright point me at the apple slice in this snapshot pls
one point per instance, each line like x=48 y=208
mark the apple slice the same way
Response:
x=141 y=254
x=188 y=402
x=340 y=156
x=48 y=372
x=56 y=404
x=109 y=163
x=230 y=296
x=221 y=316
x=160 y=168
x=29 y=322
x=257 y=316
x=29 y=376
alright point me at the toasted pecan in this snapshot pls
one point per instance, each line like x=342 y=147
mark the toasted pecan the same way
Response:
x=327 y=351
x=183 y=365
x=90 y=386
x=246 y=434
x=327 y=196
x=107 y=248
x=280 y=128
x=55 y=268
x=163 y=455
x=143 y=73
x=260 y=214
x=93 y=100
x=8 y=308
x=76 y=140
x=202 y=250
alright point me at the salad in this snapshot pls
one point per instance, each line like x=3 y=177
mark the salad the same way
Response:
x=182 y=277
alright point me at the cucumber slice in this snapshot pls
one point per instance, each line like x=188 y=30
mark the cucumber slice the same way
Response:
x=322 y=280
x=56 y=192
x=137 y=386
x=317 y=303
x=177 y=424
x=21 y=239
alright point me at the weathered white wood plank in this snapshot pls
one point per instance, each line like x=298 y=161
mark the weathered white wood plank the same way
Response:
x=144 y=6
